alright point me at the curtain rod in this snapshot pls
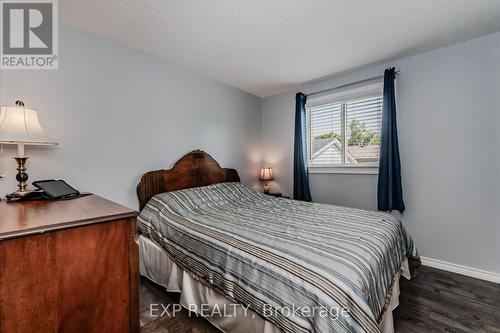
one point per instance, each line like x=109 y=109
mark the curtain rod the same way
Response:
x=349 y=84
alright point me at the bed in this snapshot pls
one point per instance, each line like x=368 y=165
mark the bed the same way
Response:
x=256 y=263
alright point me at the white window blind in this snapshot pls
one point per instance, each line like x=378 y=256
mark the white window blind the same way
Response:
x=345 y=132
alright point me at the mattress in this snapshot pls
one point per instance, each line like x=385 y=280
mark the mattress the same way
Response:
x=304 y=267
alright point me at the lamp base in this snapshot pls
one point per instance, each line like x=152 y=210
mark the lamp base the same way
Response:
x=21 y=177
x=20 y=194
x=267 y=190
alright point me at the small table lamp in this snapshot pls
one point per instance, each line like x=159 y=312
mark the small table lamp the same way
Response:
x=20 y=125
x=266 y=174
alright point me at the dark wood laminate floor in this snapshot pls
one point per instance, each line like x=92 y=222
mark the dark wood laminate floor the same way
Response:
x=436 y=301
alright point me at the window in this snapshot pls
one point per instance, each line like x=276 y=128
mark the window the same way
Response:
x=344 y=130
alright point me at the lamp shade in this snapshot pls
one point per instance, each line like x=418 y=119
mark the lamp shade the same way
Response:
x=21 y=125
x=266 y=173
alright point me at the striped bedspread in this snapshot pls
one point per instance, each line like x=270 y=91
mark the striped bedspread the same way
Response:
x=306 y=267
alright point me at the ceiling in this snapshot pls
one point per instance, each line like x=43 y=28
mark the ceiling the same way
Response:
x=266 y=47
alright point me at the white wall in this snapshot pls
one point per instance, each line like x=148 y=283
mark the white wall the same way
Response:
x=118 y=113
x=448 y=118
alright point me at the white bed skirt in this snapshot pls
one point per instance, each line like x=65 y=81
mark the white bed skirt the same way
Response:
x=156 y=265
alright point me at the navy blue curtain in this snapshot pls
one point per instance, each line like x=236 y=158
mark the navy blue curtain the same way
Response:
x=300 y=175
x=389 y=191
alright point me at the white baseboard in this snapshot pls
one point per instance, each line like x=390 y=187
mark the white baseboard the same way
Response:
x=459 y=269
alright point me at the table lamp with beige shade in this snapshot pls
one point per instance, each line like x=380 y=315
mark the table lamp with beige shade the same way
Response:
x=20 y=125
x=266 y=174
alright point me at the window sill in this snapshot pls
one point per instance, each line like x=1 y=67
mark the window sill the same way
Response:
x=352 y=170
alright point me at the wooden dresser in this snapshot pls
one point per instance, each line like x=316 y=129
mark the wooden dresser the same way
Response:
x=68 y=266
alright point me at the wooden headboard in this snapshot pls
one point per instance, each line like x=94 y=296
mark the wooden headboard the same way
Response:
x=194 y=169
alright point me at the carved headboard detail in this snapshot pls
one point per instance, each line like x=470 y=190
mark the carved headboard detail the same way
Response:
x=194 y=169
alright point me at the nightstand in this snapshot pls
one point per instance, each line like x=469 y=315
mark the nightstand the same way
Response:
x=277 y=195
x=68 y=266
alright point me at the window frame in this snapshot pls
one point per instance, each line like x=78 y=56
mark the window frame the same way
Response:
x=343 y=95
